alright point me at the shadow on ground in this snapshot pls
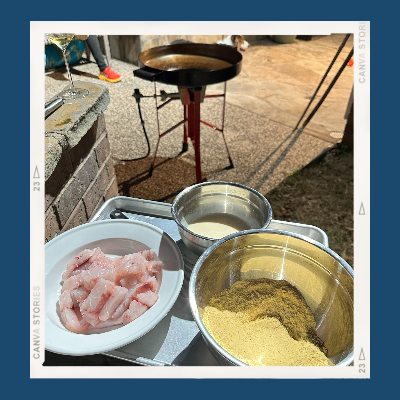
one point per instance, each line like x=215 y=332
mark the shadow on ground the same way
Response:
x=58 y=74
x=169 y=177
x=321 y=194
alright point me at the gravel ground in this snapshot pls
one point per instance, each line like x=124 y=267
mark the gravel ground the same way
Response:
x=263 y=152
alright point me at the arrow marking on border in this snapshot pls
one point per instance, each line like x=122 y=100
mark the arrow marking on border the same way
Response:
x=36 y=173
x=362 y=211
x=362 y=356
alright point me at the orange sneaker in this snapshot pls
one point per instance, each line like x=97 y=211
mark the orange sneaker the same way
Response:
x=109 y=75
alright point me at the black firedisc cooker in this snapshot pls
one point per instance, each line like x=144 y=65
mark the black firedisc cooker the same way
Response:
x=191 y=67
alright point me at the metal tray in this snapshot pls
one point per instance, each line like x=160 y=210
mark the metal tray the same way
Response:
x=176 y=340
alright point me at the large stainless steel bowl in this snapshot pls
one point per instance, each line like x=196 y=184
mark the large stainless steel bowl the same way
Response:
x=324 y=279
x=210 y=198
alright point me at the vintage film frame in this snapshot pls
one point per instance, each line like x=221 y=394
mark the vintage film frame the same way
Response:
x=361 y=31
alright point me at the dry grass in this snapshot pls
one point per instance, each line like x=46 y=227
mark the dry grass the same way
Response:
x=321 y=194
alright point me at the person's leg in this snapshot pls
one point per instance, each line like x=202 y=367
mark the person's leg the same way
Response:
x=106 y=73
x=94 y=46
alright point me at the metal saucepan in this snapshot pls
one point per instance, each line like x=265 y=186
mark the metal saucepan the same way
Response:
x=222 y=199
x=189 y=64
x=324 y=279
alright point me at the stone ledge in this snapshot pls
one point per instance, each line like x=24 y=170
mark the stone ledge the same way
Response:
x=67 y=125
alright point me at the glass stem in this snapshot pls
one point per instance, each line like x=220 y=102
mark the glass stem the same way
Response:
x=72 y=87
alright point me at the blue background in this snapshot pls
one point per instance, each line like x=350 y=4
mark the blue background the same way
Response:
x=16 y=192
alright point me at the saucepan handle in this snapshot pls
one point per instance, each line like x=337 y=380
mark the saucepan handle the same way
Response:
x=147 y=74
x=117 y=214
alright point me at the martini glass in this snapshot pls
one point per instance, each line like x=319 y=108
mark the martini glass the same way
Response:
x=62 y=40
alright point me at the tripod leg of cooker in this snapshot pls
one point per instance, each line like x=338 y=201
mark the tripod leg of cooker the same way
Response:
x=222 y=129
x=185 y=129
x=196 y=133
x=154 y=158
x=158 y=130
x=194 y=129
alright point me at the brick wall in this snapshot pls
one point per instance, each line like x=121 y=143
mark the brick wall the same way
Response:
x=73 y=200
x=79 y=167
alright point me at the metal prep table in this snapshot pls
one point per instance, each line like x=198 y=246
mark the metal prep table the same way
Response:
x=176 y=340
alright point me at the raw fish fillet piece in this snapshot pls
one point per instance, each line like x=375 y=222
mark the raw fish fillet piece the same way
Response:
x=99 y=292
x=65 y=300
x=108 y=323
x=112 y=303
x=97 y=297
x=123 y=305
x=149 y=255
x=129 y=281
x=126 y=261
x=144 y=275
x=72 y=283
x=91 y=317
x=78 y=313
x=92 y=276
x=152 y=284
x=82 y=260
x=155 y=269
x=99 y=259
x=134 y=311
x=131 y=295
x=71 y=321
x=117 y=260
x=103 y=261
x=87 y=259
x=140 y=288
x=151 y=268
x=88 y=278
x=132 y=264
x=155 y=266
x=78 y=295
x=147 y=298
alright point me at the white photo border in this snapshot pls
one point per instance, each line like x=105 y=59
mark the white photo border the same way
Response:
x=361 y=31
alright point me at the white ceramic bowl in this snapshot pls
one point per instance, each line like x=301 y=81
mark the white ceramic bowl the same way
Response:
x=115 y=238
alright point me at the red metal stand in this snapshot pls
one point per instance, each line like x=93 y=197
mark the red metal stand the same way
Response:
x=191 y=100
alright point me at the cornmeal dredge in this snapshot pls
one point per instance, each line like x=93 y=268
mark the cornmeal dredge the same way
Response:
x=265 y=322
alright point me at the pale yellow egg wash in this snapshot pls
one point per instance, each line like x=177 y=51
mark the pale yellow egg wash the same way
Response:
x=217 y=226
